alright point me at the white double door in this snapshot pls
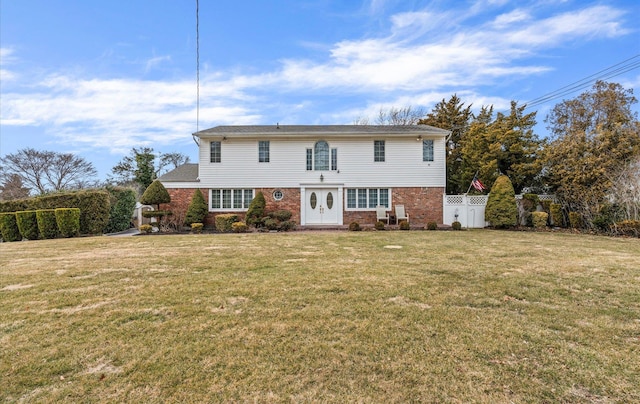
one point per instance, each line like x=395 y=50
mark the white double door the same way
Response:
x=321 y=206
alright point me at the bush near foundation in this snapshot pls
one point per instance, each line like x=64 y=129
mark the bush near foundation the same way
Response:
x=239 y=227
x=47 y=224
x=196 y=228
x=432 y=226
x=255 y=213
x=224 y=222
x=68 y=220
x=379 y=225
x=197 y=210
x=9 y=227
x=354 y=226
x=456 y=225
x=28 y=224
x=404 y=225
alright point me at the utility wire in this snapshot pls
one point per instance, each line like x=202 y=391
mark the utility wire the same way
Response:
x=615 y=70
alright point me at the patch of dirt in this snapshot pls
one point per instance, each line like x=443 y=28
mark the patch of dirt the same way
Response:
x=16 y=287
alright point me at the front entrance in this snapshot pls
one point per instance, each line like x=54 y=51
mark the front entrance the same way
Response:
x=321 y=206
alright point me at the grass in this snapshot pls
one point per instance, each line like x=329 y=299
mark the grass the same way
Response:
x=473 y=316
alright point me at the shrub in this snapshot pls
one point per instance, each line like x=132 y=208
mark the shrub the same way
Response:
x=239 y=227
x=9 y=227
x=287 y=225
x=432 y=226
x=281 y=215
x=556 y=215
x=354 y=226
x=379 y=225
x=501 y=210
x=530 y=203
x=628 y=228
x=155 y=194
x=27 y=224
x=575 y=220
x=456 y=225
x=270 y=223
x=68 y=220
x=224 y=222
x=404 y=225
x=123 y=203
x=15 y=205
x=47 y=224
x=197 y=210
x=145 y=228
x=94 y=205
x=197 y=228
x=539 y=219
x=255 y=213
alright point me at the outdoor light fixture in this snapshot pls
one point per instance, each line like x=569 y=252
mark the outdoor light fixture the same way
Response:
x=419 y=138
x=321 y=178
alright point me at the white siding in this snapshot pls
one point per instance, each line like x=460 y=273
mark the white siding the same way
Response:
x=403 y=166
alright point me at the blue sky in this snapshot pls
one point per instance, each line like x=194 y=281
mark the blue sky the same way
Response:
x=97 y=78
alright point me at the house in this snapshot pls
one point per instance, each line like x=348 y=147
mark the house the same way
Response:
x=323 y=174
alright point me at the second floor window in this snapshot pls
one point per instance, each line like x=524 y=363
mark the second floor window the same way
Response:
x=378 y=150
x=427 y=150
x=321 y=156
x=216 y=152
x=263 y=151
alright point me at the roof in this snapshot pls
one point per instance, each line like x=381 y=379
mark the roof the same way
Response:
x=184 y=173
x=324 y=130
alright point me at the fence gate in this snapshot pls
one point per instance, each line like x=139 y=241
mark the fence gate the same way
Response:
x=466 y=209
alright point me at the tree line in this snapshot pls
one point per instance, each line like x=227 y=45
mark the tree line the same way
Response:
x=590 y=160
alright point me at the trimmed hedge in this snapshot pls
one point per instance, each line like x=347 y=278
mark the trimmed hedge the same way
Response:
x=123 y=203
x=155 y=194
x=28 y=224
x=224 y=222
x=501 y=210
x=239 y=227
x=539 y=219
x=556 y=215
x=575 y=220
x=68 y=220
x=9 y=227
x=94 y=206
x=47 y=224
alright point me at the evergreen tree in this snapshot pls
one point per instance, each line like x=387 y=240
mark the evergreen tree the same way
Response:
x=501 y=210
x=155 y=194
x=197 y=210
x=255 y=213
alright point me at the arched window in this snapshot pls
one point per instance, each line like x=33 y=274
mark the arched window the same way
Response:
x=321 y=155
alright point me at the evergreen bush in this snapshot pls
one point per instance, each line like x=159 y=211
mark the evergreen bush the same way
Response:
x=255 y=213
x=354 y=226
x=281 y=215
x=456 y=225
x=539 y=219
x=123 y=203
x=197 y=210
x=27 y=224
x=196 y=228
x=155 y=194
x=501 y=210
x=379 y=225
x=556 y=215
x=575 y=220
x=47 y=224
x=9 y=227
x=432 y=226
x=68 y=220
x=404 y=225
x=224 y=222
x=145 y=228
x=530 y=204
x=239 y=227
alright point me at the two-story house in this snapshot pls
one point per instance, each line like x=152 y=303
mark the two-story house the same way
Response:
x=323 y=174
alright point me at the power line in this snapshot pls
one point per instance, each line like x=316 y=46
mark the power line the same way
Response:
x=615 y=70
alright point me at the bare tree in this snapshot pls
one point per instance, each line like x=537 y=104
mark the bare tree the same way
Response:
x=625 y=190
x=395 y=116
x=46 y=171
x=13 y=188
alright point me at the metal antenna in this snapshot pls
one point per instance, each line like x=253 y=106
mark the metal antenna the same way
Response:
x=197 y=71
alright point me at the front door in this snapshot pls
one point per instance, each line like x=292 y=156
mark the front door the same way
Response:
x=322 y=206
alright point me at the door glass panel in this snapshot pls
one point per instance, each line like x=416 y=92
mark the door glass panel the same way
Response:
x=313 y=200
x=330 y=200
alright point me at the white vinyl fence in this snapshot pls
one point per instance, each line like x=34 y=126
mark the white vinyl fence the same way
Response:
x=469 y=209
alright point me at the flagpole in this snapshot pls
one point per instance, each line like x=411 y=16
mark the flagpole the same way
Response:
x=471 y=183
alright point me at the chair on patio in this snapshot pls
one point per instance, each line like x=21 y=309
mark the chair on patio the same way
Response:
x=381 y=214
x=401 y=214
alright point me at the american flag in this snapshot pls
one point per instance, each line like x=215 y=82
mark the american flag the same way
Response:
x=477 y=184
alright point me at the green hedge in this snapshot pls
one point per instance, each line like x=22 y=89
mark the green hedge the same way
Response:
x=28 y=224
x=123 y=203
x=501 y=210
x=94 y=206
x=47 y=224
x=556 y=215
x=68 y=220
x=9 y=227
x=224 y=222
x=539 y=219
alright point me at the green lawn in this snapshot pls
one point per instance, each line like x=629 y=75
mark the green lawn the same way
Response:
x=393 y=316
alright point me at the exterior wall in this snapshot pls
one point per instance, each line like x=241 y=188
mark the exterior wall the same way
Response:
x=403 y=165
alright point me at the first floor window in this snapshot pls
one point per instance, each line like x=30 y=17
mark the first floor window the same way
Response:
x=367 y=198
x=231 y=199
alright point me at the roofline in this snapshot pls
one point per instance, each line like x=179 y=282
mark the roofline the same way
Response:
x=299 y=131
